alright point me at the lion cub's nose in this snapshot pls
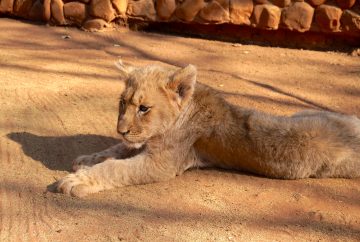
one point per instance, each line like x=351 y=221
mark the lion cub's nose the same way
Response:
x=123 y=132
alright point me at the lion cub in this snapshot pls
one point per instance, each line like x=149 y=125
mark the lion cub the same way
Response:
x=169 y=124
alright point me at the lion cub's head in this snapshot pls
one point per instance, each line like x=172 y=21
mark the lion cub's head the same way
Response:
x=152 y=100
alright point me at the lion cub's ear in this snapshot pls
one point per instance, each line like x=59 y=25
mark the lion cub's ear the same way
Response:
x=183 y=83
x=124 y=70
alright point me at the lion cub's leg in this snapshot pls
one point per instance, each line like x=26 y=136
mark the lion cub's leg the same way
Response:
x=116 y=151
x=111 y=173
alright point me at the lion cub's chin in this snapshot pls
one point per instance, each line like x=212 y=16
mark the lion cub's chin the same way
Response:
x=136 y=145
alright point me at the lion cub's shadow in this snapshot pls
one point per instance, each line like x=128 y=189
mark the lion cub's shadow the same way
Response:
x=57 y=152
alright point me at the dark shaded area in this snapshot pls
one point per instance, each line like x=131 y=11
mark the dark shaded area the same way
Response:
x=57 y=153
x=263 y=99
x=307 y=103
x=280 y=91
x=249 y=35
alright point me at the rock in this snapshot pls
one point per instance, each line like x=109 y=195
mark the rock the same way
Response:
x=345 y=4
x=240 y=11
x=316 y=2
x=350 y=21
x=281 y=3
x=36 y=11
x=189 y=9
x=261 y=1
x=266 y=16
x=102 y=9
x=22 y=8
x=214 y=12
x=57 y=11
x=120 y=6
x=82 y=1
x=165 y=8
x=66 y=36
x=46 y=10
x=224 y=3
x=142 y=9
x=6 y=6
x=298 y=16
x=95 y=24
x=328 y=17
x=75 y=12
x=355 y=52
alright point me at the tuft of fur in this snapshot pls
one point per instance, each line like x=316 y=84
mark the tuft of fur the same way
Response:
x=169 y=124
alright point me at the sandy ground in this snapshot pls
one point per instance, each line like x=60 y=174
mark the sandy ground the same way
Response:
x=58 y=99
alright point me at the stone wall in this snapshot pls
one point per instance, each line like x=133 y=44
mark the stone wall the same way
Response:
x=89 y=14
x=324 y=16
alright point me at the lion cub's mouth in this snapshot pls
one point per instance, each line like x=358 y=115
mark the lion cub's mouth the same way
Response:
x=130 y=143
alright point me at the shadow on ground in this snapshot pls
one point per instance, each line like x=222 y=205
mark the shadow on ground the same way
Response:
x=57 y=153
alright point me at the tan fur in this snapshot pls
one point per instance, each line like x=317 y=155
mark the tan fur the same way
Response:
x=188 y=127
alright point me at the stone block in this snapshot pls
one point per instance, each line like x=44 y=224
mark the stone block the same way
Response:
x=120 y=6
x=75 y=11
x=281 y=3
x=240 y=11
x=82 y=1
x=6 y=6
x=261 y=1
x=22 y=7
x=224 y=3
x=189 y=9
x=298 y=16
x=102 y=9
x=57 y=11
x=345 y=4
x=46 y=10
x=165 y=8
x=328 y=17
x=36 y=11
x=316 y=2
x=350 y=21
x=144 y=9
x=213 y=12
x=266 y=16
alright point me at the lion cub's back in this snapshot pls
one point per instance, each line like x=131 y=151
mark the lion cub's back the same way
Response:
x=308 y=144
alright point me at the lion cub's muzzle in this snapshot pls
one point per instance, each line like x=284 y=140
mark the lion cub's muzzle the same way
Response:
x=123 y=133
x=122 y=128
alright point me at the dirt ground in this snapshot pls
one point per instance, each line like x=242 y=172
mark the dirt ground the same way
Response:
x=58 y=100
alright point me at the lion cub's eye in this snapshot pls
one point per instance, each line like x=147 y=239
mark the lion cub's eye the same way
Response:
x=143 y=108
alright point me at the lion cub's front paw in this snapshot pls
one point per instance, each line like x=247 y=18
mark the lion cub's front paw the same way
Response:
x=86 y=161
x=78 y=184
x=83 y=161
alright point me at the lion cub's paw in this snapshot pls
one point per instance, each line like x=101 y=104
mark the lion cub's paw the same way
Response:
x=78 y=184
